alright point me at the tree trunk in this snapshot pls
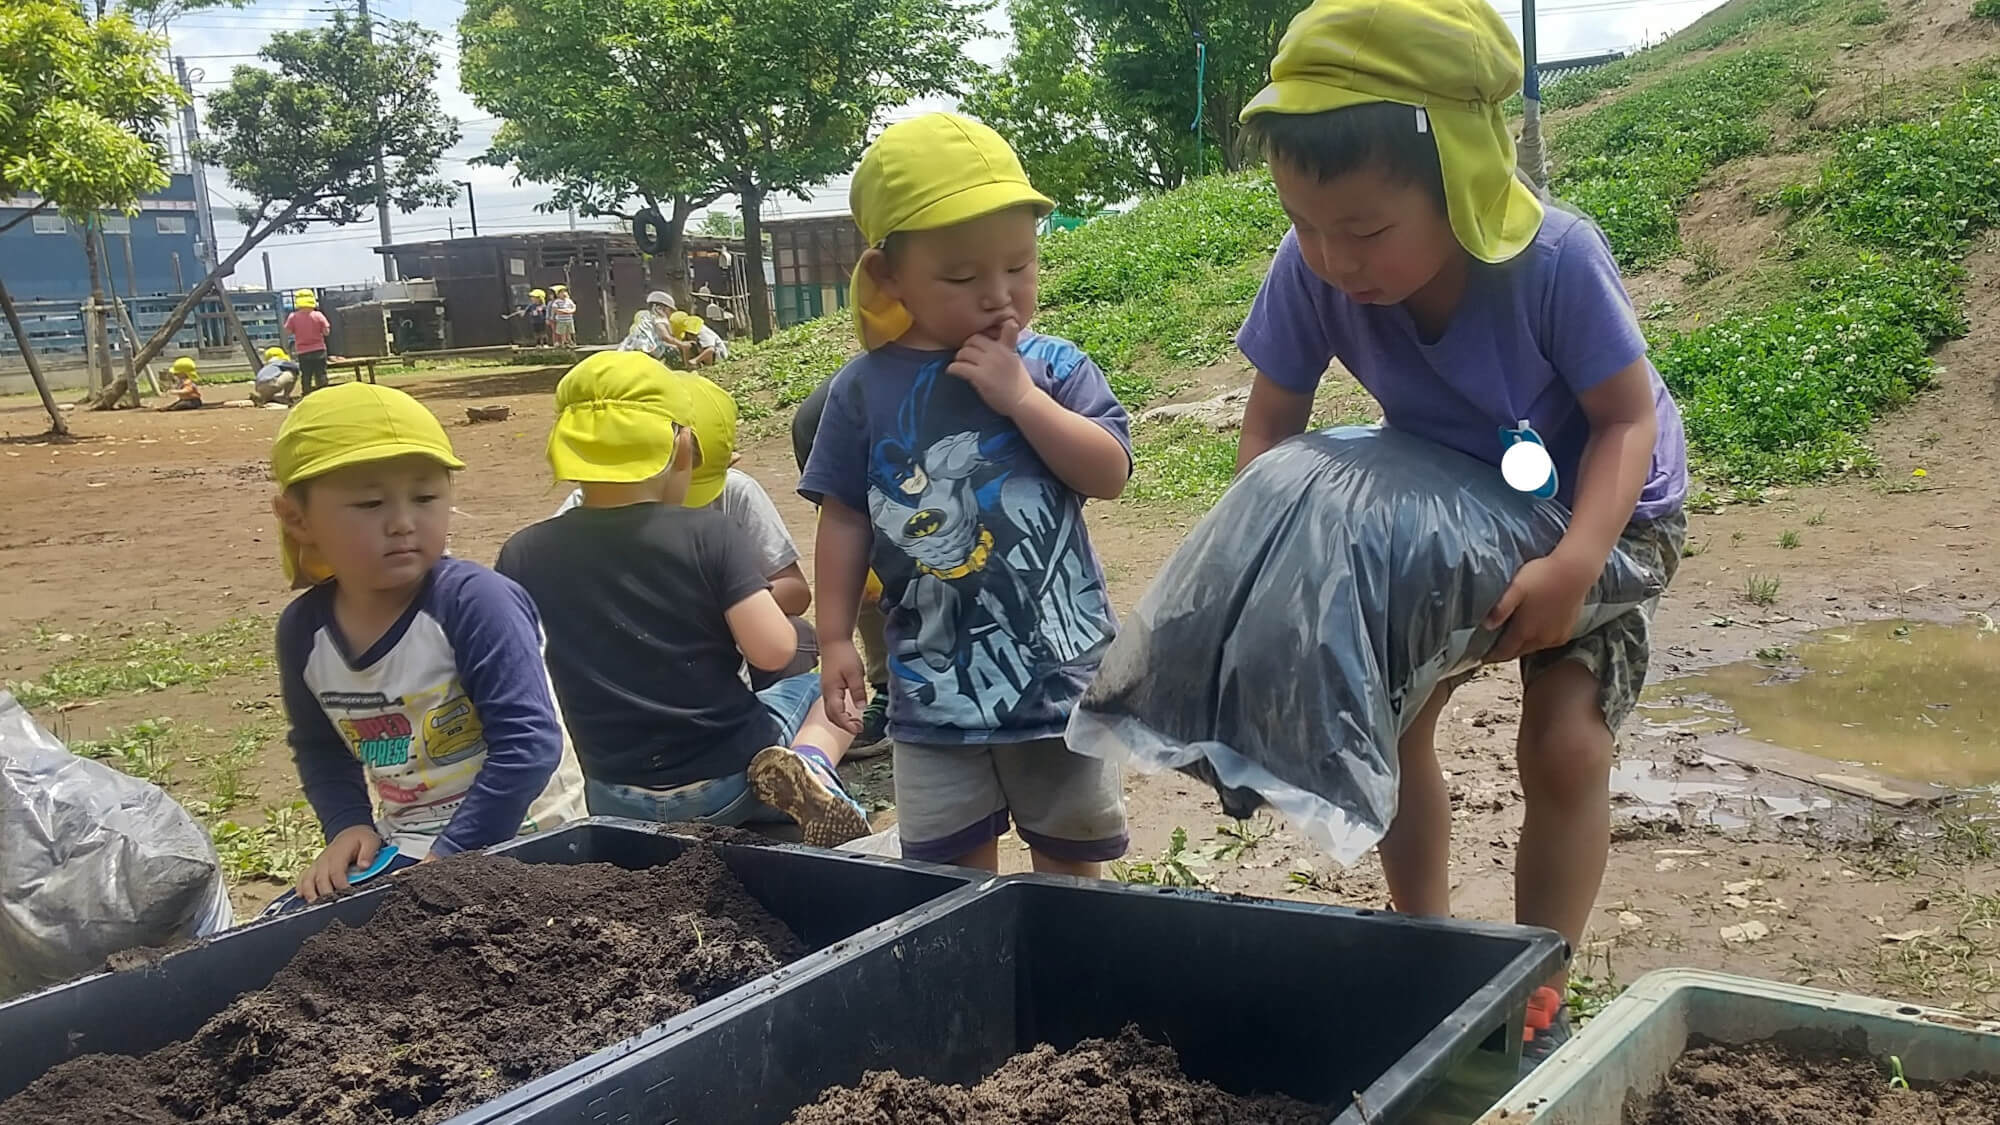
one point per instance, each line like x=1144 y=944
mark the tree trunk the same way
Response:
x=753 y=248
x=676 y=253
x=224 y=268
x=57 y=426
x=93 y=321
x=236 y=326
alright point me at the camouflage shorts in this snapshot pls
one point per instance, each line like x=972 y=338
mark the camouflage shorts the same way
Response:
x=1619 y=651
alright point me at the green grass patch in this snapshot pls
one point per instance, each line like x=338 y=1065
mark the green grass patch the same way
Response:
x=154 y=663
x=145 y=750
x=1182 y=462
x=783 y=370
x=1986 y=9
x=1630 y=164
x=1729 y=24
x=279 y=848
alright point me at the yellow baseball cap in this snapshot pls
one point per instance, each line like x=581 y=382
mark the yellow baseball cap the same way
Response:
x=351 y=424
x=693 y=325
x=184 y=366
x=1453 y=59
x=536 y=293
x=273 y=353
x=676 y=320
x=933 y=171
x=615 y=416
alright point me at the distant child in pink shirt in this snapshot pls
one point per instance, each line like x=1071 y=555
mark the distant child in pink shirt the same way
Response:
x=305 y=334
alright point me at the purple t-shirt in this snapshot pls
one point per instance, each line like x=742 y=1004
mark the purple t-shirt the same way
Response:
x=1528 y=337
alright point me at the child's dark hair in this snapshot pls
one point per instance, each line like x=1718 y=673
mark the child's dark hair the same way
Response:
x=1383 y=135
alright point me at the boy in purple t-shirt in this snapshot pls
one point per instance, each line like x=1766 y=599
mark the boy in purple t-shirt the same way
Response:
x=1476 y=317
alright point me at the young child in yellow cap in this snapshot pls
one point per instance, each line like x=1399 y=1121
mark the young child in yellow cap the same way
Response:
x=187 y=386
x=413 y=681
x=305 y=333
x=562 y=313
x=954 y=456
x=654 y=601
x=1479 y=318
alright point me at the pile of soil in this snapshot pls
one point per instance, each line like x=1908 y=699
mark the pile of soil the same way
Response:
x=474 y=976
x=1765 y=1083
x=1124 y=1081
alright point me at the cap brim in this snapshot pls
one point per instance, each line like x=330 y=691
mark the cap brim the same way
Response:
x=705 y=486
x=587 y=462
x=1493 y=214
x=376 y=451
x=977 y=202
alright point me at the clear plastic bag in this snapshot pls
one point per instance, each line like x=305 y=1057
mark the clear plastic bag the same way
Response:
x=1306 y=619
x=92 y=862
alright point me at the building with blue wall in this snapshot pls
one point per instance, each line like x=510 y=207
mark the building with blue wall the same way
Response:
x=42 y=259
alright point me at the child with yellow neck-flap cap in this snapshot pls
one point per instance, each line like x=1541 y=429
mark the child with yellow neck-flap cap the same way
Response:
x=954 y=457
x=1483 y=320
x=421 y=715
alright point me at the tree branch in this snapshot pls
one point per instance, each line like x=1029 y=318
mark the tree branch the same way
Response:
x=24 y=216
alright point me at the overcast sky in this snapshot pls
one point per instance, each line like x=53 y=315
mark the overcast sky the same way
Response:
x=216 y=41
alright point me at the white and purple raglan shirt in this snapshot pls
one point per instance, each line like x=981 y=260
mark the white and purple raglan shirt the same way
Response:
x=444 y=735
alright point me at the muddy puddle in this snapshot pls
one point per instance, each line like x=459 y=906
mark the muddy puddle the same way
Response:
x=1914 y=700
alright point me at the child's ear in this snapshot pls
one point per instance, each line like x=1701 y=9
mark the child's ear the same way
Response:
x=882 y=272
x=291 y=517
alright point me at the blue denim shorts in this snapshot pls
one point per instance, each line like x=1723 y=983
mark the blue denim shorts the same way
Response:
x=718 y=800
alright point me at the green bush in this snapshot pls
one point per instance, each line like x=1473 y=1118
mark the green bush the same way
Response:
x=1175 y=237
x=784 y=369
x=1629 y=164
x=1986 y=9
x=1924 y=186
x=1779 y=394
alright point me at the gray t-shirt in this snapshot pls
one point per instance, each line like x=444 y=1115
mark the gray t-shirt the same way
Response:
x=750 y=508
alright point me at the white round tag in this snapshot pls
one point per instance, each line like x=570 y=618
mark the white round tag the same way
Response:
x=1526 y=466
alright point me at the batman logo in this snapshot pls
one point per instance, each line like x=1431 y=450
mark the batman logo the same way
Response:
x=926 y=522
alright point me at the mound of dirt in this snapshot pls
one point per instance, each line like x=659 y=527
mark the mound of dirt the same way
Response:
x=1124 y=1081
x=474 y=976
x=1764 y=1082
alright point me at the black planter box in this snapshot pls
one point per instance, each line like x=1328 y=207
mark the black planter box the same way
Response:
x=1379 y=1017
x=825 y=897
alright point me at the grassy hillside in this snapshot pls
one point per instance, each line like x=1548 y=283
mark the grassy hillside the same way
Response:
x=1778 y=380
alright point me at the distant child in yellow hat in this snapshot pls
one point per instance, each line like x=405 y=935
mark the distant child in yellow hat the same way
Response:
x=187 y=386
x=954 y=457
x=305 y=332
x=413 y=681
x=562 y=313
x=1482 y=320
x=654 y=601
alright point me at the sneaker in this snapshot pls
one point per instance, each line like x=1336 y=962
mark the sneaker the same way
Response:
x=810 y=794
x=873 y=741
x=1547 y=1028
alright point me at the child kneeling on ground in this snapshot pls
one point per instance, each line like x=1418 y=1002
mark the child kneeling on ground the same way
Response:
x=954 y=457
x=653 y=602
x=1477 y=317
x=412 y=681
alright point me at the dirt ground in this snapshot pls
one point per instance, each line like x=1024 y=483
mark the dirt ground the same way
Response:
x=159 y=523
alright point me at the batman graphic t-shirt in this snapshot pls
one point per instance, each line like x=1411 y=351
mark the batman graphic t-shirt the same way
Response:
x=995 y=602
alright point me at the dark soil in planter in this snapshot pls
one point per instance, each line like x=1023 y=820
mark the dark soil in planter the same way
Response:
x=1769 y=1084
x=475 y=975
x=1122 y=1081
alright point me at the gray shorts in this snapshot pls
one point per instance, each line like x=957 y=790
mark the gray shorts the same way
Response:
x=952 y=799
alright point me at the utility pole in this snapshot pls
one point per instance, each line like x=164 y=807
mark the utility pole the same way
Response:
x=267 y=272
x=1533 y=163
x=190 y=135
x=381 y=176
x=471 y=204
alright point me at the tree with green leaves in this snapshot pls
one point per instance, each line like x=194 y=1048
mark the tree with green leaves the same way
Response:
x=675 y=103
x=300 y=141
x=591 y=97
x=1099 y=96
x=83 y=113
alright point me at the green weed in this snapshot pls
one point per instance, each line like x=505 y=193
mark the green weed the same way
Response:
x=1986 y=9
x=144 y=750
x=1691 y=548
x=1182 y=462
x=151 y=664
x=1704 y=263
x=1761 y=589
x=1788 y=539
x=1817 y=519
x=1174 y=868
x=279 y=848
x=1239 y=837
x=1868 y=15
x=1773 y=652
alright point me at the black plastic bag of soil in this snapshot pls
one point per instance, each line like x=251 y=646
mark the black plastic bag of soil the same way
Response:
x=1305 y=620
x=92 y=862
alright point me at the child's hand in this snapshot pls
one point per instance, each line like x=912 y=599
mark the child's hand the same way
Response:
x=994 y=369
x=843 y=686
x=1540 y=607
x=351 y=848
